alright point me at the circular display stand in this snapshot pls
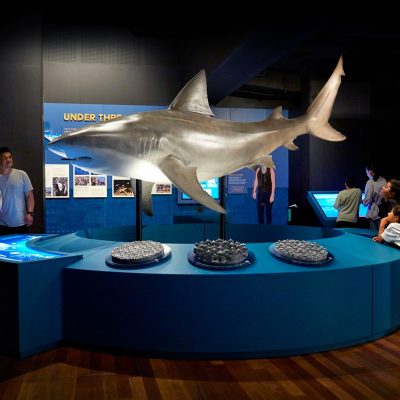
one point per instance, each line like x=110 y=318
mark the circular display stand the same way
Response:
x=144 y=264
x=351 y=300
x=295 y=261
x=219 y=266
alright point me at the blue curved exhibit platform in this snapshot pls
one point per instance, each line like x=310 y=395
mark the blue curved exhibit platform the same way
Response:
x=270 y=308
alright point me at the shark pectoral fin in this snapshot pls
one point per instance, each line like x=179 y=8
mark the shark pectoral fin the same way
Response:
x=185 y=179
x=147 y=203
x=265 y=160
x=290 y=145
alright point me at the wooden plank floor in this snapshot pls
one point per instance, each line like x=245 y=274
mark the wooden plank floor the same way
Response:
x=370 y=371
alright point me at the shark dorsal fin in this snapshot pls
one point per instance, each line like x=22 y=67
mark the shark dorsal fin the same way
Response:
x=276 y=114
x=193 y=97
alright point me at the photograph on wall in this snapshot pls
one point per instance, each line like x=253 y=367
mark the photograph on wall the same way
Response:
x=88 y=184
x=160 y=188
x=121 y=187
x=57 y=181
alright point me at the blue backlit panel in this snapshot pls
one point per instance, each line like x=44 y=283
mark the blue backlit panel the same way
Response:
x=322 y=202
x=327 y=200
x=15 y=248
x=211 y=187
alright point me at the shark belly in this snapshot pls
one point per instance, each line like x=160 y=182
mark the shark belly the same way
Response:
x=146 y=171
x=213 y=158
x=128 y=167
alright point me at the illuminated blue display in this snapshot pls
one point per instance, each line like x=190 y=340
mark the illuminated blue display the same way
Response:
x=211 y=187
x=326 y=202
x=15 y=248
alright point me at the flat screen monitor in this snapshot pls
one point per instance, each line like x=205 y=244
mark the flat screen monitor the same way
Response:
x=211 y=187
x=322 y=203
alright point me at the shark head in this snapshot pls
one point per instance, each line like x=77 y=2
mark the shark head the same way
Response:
x=119 y=147
x=73 y=146
x=77 y=147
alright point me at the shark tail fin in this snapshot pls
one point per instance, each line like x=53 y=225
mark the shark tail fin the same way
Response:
x=320 y=110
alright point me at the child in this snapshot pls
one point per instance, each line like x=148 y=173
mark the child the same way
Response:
x=348 y=202
x=390 y=196
x=391 y=233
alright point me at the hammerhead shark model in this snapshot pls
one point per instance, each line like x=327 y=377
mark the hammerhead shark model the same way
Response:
x=185 y=143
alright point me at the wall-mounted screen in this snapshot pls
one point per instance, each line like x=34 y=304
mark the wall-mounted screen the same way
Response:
x=211 y=187
x=322 y=203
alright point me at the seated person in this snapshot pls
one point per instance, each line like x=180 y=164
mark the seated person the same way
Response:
x=390 y=234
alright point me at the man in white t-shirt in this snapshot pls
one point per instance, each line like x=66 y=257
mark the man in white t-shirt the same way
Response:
x=16 y=194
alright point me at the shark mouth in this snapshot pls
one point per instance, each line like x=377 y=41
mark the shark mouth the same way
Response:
x=55 y=148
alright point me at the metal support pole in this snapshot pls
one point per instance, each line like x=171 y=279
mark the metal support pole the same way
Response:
x=138 y=194
x=222 y=217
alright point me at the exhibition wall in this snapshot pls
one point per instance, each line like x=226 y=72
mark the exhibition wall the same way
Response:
x=41 y=61
x=109 y=65
x=77 y=199
x=21 y=100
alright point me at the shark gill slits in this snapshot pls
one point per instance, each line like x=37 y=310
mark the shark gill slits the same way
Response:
x=156 y=144
x=141 y=147
x=148 y=145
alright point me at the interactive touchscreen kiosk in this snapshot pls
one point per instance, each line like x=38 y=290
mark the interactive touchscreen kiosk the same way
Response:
x=322 y=202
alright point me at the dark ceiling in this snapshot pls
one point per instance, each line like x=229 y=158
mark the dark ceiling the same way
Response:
x=266 y=55
x=272 y=59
